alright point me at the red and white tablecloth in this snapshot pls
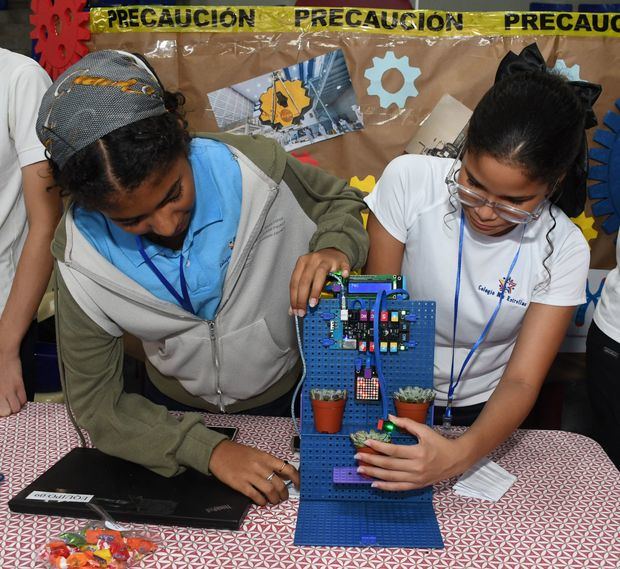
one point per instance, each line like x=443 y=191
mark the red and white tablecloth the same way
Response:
x=563 y=511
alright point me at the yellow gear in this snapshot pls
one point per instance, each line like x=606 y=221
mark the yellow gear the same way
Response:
x=286 y=105
x=366 y=185
x=586 y=224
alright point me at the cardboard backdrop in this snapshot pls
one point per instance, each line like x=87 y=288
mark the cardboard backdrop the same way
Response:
x=400 y=65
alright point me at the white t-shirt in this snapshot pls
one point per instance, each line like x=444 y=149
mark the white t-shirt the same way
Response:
x=411 y=201
x=607 y=313
x=22 y=86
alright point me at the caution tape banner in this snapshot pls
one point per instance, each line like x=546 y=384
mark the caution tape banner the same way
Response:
x=404 y=23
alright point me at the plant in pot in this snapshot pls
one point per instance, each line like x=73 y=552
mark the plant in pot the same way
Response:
x=360 y=437
x=413 y=402
x=328 y=408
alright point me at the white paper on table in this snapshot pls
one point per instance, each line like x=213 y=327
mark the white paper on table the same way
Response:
x=293 y=493
x=486 y=480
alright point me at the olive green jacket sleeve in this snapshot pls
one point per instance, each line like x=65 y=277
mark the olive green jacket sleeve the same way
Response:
x=329 y=201
x=334 y=206
x=122 y=424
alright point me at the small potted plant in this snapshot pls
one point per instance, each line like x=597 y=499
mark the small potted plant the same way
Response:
x=328 y=408
x=413 y=402
x=360 y=437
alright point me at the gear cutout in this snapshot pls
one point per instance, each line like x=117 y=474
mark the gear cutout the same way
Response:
x=60 y=30
x=285 y=103
x=571 y=73
x=586 y=224
x=366 y=185
x=607 y=174
x=375 y=73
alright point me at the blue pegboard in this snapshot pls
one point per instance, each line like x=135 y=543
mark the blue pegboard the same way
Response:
x=357 y=514
x=360 y=524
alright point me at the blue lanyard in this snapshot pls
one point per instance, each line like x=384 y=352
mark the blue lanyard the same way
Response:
x=454 y=384
x=184 y=300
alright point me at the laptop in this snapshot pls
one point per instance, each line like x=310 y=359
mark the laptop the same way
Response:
x=129 y=492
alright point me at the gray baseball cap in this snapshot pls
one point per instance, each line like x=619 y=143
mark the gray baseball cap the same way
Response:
x=102 y=92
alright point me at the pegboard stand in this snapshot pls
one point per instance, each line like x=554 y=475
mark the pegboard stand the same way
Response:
x=337 y=506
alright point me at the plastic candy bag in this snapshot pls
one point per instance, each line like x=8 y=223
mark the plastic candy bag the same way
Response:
x=97 y=546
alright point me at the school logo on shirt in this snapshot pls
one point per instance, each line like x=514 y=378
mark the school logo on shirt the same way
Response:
x=506 y=286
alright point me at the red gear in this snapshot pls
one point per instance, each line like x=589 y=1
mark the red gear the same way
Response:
x=60 y=29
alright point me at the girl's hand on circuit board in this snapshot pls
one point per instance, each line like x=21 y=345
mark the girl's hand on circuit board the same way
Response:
x=309 y=276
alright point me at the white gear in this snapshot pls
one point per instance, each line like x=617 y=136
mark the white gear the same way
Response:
x=379 y=67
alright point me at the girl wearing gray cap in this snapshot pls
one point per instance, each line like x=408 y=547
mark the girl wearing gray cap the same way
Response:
x=188 y=245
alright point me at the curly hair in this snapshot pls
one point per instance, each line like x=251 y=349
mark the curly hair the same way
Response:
x=123 y=159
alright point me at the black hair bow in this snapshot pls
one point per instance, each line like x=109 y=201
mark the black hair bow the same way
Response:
x=530 y=59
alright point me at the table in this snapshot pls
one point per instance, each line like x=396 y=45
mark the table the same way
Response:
x=563 y=511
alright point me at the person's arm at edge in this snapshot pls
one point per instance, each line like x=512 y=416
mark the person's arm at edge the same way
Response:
x=43 y=208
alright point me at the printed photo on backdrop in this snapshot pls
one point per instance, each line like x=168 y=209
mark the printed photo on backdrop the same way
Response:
x=298 y=105
x=442 y=132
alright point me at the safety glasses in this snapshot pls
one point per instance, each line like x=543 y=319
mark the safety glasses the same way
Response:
x=471 y=198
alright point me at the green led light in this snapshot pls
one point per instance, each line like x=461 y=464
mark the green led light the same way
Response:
x=388 y=427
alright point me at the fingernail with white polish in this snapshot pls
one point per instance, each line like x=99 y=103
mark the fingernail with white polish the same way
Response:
x=313 y=302
x=290 y=311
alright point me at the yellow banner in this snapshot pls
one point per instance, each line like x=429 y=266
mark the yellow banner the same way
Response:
x=273 y=19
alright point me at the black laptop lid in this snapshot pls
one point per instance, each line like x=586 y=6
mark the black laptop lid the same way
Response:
x=131 y=493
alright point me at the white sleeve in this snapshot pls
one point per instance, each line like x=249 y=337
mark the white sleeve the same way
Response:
x=569 y=264
x=28 y=83
x=400 y=194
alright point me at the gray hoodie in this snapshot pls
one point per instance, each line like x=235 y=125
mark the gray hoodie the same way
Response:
x=244 y=358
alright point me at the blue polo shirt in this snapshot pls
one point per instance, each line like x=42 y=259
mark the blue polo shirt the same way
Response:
x=207 y=247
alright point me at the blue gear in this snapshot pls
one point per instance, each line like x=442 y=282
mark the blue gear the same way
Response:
x=379 y=67
x=571 y=73
x=607 y=190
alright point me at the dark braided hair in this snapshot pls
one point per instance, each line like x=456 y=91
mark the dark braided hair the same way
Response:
x=125 y=158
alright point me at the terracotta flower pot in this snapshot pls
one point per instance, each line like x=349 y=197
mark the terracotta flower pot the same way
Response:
x=366 y=450
x=328 y=415
x=415 y=411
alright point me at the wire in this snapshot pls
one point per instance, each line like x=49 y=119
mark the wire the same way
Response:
x=301 y=381
x=303 y=363
x=377 y=353
x=400 y=291
x=338 y=278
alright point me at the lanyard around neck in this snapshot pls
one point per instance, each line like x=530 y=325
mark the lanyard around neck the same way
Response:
x=184 y=300
x=485 y=331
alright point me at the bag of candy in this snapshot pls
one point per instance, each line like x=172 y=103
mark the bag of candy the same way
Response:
x=98 y=546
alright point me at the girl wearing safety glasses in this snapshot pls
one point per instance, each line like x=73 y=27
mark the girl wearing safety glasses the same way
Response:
x=483 y=236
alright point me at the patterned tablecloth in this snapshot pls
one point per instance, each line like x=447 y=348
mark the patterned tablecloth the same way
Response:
x=563 y=511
